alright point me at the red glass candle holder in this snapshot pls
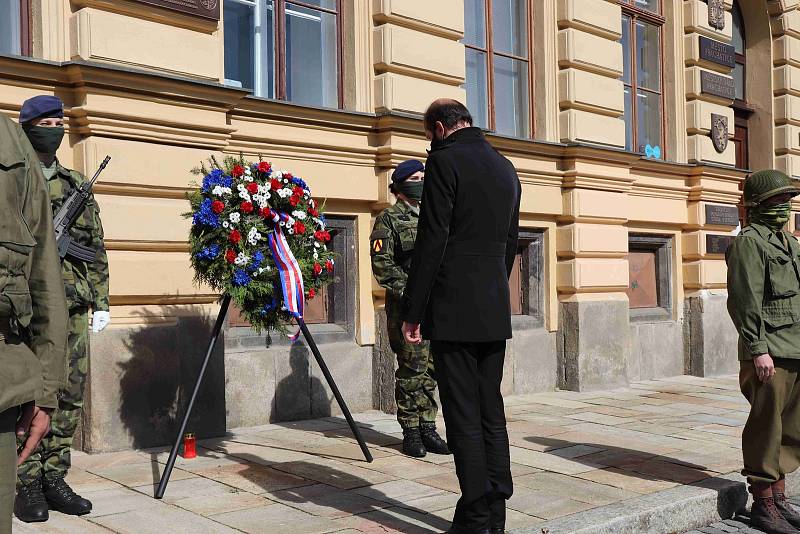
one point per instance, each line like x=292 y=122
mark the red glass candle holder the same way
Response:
x=189 y=448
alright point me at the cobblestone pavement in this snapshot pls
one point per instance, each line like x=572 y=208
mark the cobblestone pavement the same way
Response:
x=571 y=452
x=737 y=525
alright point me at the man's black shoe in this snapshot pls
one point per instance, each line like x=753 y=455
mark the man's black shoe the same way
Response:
x=412 y=443
x=30 y=505
x=431 y=439
x=60 y=497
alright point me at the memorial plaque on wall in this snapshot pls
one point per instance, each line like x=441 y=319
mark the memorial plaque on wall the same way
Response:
x=718 y=244
x=207 y=9
x=717 y=52
x=722 y=215
x=714 y=84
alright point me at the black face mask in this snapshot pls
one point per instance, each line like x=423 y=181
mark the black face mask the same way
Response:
x=411 y=190
x=45 y=140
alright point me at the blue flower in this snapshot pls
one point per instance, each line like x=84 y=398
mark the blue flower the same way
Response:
x=214 y=178
x=300 y=182
x=240 y=278
x=255 y=263
x=205 y=215
x=269 y=306
x=209 y=253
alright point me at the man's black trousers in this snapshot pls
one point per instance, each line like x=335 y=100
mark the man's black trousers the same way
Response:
x=469 y=376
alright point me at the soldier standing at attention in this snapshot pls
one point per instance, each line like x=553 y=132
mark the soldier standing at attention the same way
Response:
x=41 y=485
x=764 y=303
x=33 y=311
x=391 y=248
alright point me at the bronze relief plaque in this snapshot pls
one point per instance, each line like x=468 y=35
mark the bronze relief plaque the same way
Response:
x=716 y=14
x=719 y=132
x=207 y=9
x=642 y=284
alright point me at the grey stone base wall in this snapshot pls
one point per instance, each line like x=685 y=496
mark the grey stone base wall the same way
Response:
x=710 y=337
x=140 y=380
x=656 y=350
x=594 y=345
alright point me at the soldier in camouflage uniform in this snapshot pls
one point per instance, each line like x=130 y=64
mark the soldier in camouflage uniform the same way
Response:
x=41 y=485
x=392 y=246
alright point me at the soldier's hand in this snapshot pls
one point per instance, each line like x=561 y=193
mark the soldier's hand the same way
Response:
x=35 y=423
x=765 y=367
x=411 y=333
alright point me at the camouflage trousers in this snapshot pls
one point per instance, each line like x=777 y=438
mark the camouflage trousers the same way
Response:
x=415 y=381
x=52 y=458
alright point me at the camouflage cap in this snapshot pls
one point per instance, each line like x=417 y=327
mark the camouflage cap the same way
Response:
x=767 y=183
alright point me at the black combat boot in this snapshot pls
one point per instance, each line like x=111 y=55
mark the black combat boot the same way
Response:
x=782 y=504
x=412 y=443
x=431 y=439
x=765 y=514
x=60 y=497
x=30 y=505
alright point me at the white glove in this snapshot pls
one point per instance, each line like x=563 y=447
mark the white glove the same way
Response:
x=100 y=320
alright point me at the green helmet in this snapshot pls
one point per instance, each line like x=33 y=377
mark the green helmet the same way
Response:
x=767 y=183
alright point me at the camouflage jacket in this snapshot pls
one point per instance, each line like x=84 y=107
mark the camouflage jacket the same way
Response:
x=85 y=284
x=30 y=285
x=392 y=246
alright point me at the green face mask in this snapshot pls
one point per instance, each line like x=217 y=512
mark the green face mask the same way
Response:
x=45 y=140
x=774 y=217
x=412 y=190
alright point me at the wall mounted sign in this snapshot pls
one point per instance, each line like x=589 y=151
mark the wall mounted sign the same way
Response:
x=719 y=132
x=716 y=14
x=207 y=9
x=717 y=52
x=718 y=244
x=720 y=215
x=714 y=84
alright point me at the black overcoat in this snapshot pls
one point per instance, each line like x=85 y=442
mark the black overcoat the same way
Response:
x=466 y=242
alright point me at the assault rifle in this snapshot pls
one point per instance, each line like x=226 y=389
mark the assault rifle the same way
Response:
x=69 y=213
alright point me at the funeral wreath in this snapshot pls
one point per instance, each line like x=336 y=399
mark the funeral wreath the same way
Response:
x=258 y=235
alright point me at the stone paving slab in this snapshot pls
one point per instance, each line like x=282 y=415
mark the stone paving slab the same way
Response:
x=658 y=457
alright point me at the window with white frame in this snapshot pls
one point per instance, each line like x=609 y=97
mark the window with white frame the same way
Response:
x=287 y=50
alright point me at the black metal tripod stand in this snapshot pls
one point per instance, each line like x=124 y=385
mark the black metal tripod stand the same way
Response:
x=226 y=300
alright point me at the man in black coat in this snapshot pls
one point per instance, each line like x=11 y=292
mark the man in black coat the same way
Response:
x=458 y=292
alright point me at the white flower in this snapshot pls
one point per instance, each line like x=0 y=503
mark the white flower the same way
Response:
x=247 y=171
x=276 y=174
x=253 y=236
x=220 y=191
x=299 y=214
x=235 y=217
x=316 y=245
x=283 y=223
x=242 y=259
x=244 y=194
x=226 y=224
x=290 y=231
x=316 y=256
x=263 y=189
x=241 y=187
x=285 y=192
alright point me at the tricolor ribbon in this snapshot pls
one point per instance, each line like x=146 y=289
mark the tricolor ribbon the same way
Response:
x=291 y=279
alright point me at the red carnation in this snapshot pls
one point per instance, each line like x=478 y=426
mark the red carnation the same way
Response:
x=264 y=166
x=294 y=200
x=252 y=187
x=266 y=213
x=274 y=184
x=235 y=237
x=246 y=207
x=329 y=266
x=319 y=235
x=299 y=228
x=317 y=269
x=237 y=170
x=298 y=191
x=288 y=175
x=313 y=212
x=230 y=256
x=311 y=293
x=217 y=206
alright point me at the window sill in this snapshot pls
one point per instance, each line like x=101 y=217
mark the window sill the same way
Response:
x=651 y=315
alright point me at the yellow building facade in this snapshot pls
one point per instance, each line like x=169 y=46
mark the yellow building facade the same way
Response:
x=630 y=123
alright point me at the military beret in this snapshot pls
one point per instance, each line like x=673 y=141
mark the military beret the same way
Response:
x=41 y=106
x=406 y=169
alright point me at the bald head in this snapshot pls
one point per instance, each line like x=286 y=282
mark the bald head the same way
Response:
x=444 y=116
